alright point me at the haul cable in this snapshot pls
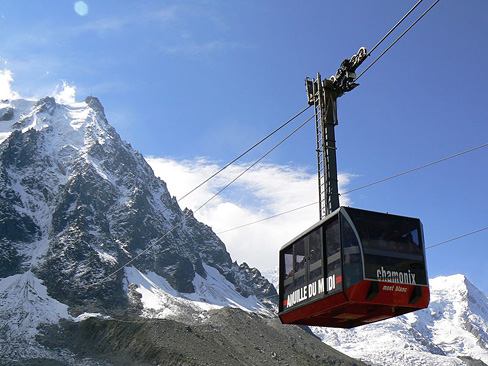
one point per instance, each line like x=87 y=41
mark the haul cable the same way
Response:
x=362 y=187
x=396 y=40
x=456 y=238
x=392 y=29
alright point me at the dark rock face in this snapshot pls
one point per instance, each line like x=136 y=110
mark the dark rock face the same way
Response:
x=10 y=260
x=16 y=227
x=6 y=114
x=469 y=361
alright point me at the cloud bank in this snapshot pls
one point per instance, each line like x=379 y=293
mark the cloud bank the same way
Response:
x=264 y=191
x=66 y=95
x=6 y=80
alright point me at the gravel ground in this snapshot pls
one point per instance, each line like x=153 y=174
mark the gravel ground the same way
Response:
x=223 y=337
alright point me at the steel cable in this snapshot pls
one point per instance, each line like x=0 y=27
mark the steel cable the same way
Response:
x=456 y=238
x=396 y=40
x=396 y=25
x=362 y=187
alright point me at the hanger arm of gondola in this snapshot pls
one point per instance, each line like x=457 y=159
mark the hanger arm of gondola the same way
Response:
x=323 y=94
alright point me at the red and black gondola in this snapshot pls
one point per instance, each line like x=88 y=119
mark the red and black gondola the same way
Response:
x=353 y=267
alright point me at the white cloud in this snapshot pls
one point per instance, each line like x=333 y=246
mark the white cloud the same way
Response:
x=6 y=91
x=264 y=191
x=67 y=95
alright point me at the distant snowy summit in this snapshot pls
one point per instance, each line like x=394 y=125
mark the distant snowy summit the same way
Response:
x=68 y=121
x=452 y=331
x=76 y=204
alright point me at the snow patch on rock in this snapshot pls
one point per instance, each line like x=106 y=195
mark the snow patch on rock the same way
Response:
x=160 y=300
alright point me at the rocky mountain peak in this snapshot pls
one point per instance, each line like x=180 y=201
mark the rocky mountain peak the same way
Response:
x=77 y=203
x=46 y=105
x=95 y=104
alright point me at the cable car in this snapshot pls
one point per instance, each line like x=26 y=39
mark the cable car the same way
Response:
x=353 y=267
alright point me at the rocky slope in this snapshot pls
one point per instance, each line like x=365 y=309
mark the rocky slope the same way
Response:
x=225 y=336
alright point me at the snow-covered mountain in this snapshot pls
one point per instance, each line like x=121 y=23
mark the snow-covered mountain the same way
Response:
x=451 y=331
x=76 y=204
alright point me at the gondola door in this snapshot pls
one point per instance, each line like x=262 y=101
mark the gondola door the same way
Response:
x=333 y=278
x=301 y=276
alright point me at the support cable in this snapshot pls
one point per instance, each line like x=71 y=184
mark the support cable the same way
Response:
x=268 y=218
x=414 y=169
x=392 y=29
x=394 y=42
x=362 y=187
x=253 y=164
x=456 y=238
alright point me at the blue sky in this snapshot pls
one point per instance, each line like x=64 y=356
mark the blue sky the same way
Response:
x=192 y=84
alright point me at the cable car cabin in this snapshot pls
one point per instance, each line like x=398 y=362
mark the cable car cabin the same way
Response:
x=352 y=268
